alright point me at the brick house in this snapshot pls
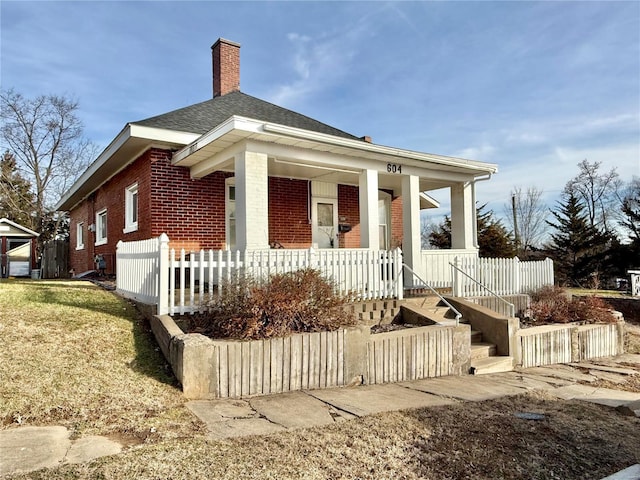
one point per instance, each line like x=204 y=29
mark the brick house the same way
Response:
x=237 y=172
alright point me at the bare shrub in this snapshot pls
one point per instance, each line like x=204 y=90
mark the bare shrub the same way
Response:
x=555 y=305
x=294 y=302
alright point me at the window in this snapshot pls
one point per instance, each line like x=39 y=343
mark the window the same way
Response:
x=384 y=208
x=131 y=209
x=80 y=236
x=101 y=227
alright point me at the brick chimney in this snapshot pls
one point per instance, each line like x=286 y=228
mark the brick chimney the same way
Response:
x=226 y=67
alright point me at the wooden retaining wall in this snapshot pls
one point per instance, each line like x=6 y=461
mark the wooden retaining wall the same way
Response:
x=422 y=352
x=550 y=344
x=233 y=369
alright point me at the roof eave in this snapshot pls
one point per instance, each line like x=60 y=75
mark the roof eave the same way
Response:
x=143 y=137
x=249 y=126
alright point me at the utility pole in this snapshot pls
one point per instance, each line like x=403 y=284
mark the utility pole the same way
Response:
x=515 y=222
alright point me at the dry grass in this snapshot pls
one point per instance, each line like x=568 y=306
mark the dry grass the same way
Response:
x=467 y=441
x=78 y=356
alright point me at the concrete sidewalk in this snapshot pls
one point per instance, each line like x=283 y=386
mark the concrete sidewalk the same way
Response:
x=24 y=449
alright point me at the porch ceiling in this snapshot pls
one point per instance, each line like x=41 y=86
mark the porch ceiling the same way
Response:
x=297 y=153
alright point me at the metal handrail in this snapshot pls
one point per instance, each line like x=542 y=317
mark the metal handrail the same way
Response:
x=512 y=308
x=458 y=314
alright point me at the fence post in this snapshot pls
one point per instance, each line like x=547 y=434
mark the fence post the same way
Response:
x=549 y=271
x=457 y=280
x=399 y=271
x=119 y=278
x=163 y=274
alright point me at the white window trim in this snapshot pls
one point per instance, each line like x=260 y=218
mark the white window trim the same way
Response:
x=129 y=224
x=80 y=236
x=99 y=240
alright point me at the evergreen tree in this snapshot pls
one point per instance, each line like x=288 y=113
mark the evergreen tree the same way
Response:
x=577 y=248
x=17 y=201
x=493 y=239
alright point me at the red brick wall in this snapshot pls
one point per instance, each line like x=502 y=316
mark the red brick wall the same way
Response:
x=112 y=197
x=396 y=221
x=289 y=213
x=190 y=212
x=349 y=209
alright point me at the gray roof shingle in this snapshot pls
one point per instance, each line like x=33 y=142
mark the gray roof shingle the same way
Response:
x=203 y=117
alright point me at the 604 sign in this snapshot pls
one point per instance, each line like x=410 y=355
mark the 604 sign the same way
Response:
x=394 y=168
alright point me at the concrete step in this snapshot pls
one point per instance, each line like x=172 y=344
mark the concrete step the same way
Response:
x=480 y=366
x=483 y=350
x=375 y=311
x=476 y=336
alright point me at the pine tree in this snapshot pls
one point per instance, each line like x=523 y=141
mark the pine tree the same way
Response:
x=577 y=248
x=493 y=239
x=17 y=201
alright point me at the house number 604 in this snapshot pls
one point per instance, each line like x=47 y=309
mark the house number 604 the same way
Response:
x=394 y=168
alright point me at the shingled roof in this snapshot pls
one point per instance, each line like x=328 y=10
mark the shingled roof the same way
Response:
x=203 y=117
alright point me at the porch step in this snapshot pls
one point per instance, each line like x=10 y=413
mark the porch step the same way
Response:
x=480 y=366
x=424 y=292
x=375 y=311
x=483 y=350
x=476 y=336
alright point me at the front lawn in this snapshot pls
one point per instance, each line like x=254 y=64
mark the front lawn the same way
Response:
x=78 y=356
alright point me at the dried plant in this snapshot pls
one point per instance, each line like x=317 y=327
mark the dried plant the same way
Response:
x=294 y=302
x=555 y=305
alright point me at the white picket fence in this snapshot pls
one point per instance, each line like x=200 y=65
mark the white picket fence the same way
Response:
x=181 y=282
x=502 y=276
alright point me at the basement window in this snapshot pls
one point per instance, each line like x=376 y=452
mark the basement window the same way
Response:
x=131 y=209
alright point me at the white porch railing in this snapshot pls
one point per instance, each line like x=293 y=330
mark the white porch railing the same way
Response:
x=502 y=276
x=435 y=269
x=180 y=282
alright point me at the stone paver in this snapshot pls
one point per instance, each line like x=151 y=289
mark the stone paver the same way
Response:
x=91 y=447
x=371 y=399
x=528 y=382
x=24 y=449
x=293 y=410
x=630 y=473
x=466 y=388
x=560 y=371
x=605 y=368
x=243 y=427
x=602 y=396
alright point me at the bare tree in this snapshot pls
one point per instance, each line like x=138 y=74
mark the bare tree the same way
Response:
x=598 y=192
x=526 y=216
x=45 y=136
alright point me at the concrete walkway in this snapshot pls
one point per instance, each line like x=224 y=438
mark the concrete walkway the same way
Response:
x=25 y=449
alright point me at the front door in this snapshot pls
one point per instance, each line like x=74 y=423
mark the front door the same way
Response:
x=324 y=218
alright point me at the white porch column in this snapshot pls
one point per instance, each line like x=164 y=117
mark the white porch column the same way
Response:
x=411 y=226
x=369 y=222
x=463 y=216
x=252 y=201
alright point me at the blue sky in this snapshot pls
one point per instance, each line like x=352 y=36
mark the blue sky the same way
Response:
x=535 y=87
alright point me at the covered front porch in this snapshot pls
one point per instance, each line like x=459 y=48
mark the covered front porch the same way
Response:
x=292 y=188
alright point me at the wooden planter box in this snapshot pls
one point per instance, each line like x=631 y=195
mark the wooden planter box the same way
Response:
x=549 y=344
x=232 y=369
